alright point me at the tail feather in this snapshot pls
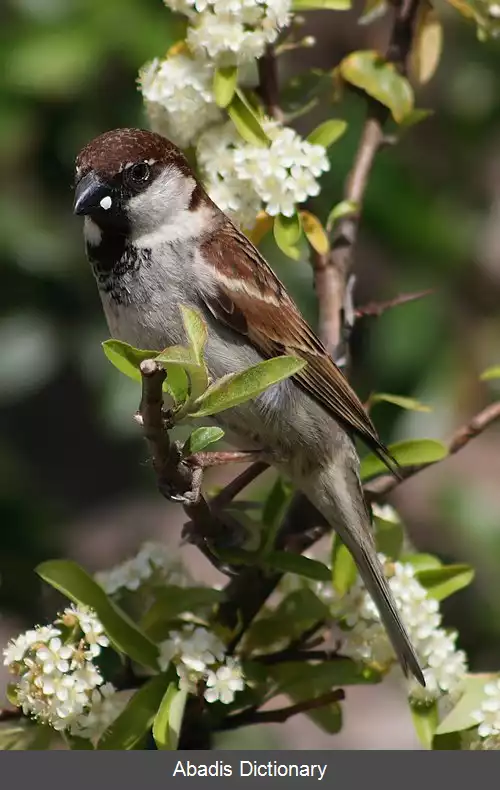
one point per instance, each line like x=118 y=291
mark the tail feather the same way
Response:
x=338 y=495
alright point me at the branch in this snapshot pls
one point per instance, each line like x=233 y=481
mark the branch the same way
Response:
x=462 y=436
x=378 y=308
x=269 y=85
x=280 y=715
x=333 y=270
x=10 y=714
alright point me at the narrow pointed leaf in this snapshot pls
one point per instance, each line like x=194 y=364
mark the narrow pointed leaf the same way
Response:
x=342 y=209
x=67 y=577
x=368 y=71
x=399 y=400
x=132 y=725
x=287 y=233
x=408 y=453
x=315 y=232
x=442 y=582
x=327 y=132
x=225 y=81
x=236 y=388
x=201 y=438
x=389 y=537
x=427 y=44
x=425 y=720
x=177 y=358
x=344 y=571
x=421 y=562
x=297 y=678
x=168 y=720
x=286 y=562
x=171 y=601
x=196 y=330
x=491 y=373
x=246 y=121
x=273 y=512
x=297 y=612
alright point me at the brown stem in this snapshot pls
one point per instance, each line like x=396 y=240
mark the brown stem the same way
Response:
x=280 y=715
x=240 y=482
x=332 y=271
x=378 y=308
x=382 y=486
x=269 y=84
x=10 y=714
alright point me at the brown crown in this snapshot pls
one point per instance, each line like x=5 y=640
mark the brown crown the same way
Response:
x=111 y=151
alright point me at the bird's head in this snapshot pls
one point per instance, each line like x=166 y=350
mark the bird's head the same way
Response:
x=134 y=182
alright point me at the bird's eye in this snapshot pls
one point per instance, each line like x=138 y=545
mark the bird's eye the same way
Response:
x=139 y=173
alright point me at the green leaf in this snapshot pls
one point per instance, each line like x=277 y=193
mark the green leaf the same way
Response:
x=172 y=601
x=298 y=677
x=327 y=718
x=201 y=438
x=417 y=115
x=294 y=614
x=225 y=81
x=399 y=400
x=236 y=388
x=286 y=562
x=317 y=5
x=287 y=232
x=425 y=720
x=168 y=720
x=491 y=373
x=460 y=718
x=344 y=571
x=327 y=133
x=275 y=507
x=412 y=452
x=421 y=562
x=368 y=71
x=174 y=358
x=315 y=232
x=342 y=209
x=196 y=330
x=389 y=537
x=125 y=358
x=442 y=582
x=133 y=723
x=67 y=577
x=246 y=121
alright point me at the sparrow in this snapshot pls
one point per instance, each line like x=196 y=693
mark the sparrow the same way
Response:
x=156 y=241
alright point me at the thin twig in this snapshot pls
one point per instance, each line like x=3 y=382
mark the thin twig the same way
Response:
x=240 y=482
x=10 y=714
x=332 y=271
x=382 y=486
x=280 y=715
x=289 y=655
x=378 y=308
x=269 y=85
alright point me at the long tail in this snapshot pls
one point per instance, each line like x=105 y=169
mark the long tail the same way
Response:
x=338 y=495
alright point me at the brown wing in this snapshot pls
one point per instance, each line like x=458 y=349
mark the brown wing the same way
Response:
x=252 y=301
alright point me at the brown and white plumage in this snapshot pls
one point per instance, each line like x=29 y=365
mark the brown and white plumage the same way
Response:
x=155 y=241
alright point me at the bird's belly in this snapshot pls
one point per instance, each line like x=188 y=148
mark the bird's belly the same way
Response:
x=286 y=423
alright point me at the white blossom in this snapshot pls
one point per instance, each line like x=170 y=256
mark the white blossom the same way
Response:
x=194 y=647
x=242 y=178
x=366 y=639
x=56 y=676
x=178 y=96
x=224 y=682
x=104 y=706
x=488 y=715
x=152 y=558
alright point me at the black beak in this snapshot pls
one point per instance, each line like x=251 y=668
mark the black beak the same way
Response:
x=92 y=195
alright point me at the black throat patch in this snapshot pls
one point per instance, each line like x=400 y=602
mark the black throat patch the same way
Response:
x=114 y=260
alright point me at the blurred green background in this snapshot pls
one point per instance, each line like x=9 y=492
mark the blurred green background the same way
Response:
x=74 y=478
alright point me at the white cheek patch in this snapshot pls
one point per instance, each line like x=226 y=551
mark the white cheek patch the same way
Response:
x=105 y=203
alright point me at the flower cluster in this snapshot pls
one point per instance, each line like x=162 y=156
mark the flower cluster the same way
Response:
x=179 y=98
x=152 y=560
x=232 y=32
x=365 y=638
x=488 y=715
x=198 y=656
x=241 y=178
x=58 y=682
